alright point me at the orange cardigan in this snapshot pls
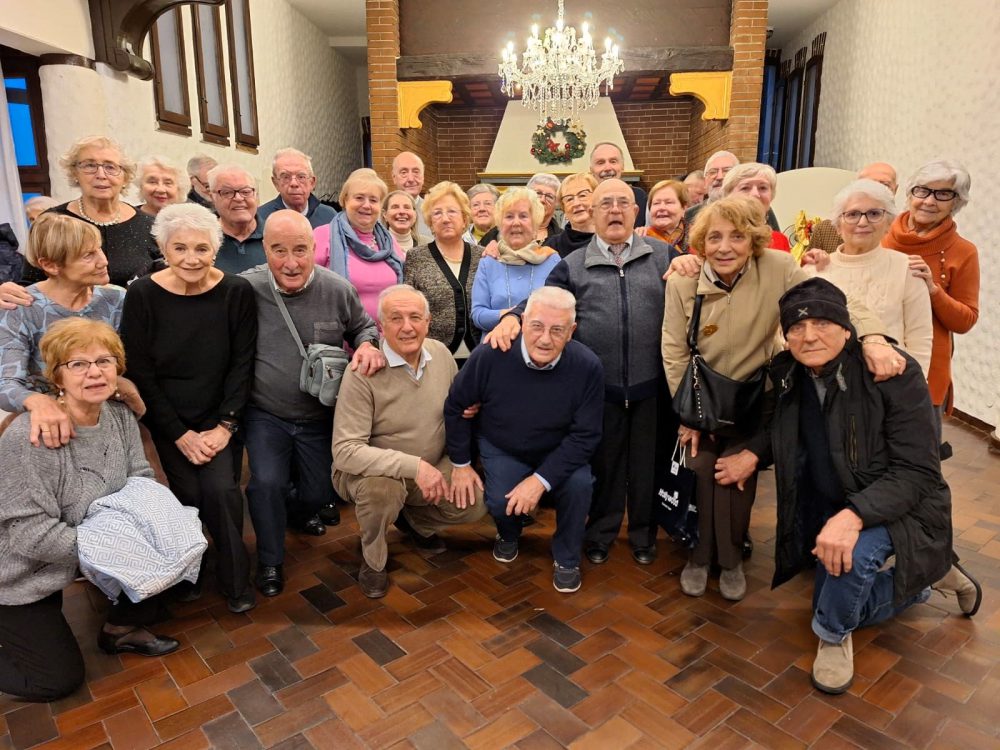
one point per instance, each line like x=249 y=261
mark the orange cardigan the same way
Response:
x=954 y=264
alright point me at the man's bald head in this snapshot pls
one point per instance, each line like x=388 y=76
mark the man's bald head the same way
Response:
x=880 y=172
x=290 y=249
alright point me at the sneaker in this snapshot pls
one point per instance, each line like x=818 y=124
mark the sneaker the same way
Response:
x=694 y=579
x=505 y=552
x=565 y=580
x=833 y=669
x=733 y=584
x=965 y=588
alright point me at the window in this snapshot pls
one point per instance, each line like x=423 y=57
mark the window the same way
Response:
x=810 y=102
x=793 y=110
x=24 y=108
x=241 y=73
x=173 y=108
x=212 y=105
x=769 y=136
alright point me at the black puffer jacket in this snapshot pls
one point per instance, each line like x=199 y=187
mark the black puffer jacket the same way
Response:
x=884 y=450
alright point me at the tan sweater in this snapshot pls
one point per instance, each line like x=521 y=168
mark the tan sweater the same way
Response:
x=738 y=331
x=385 y=424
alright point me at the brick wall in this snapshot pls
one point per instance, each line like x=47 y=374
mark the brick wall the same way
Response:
x=657 y=136
x=465 y=139
x=382 y=22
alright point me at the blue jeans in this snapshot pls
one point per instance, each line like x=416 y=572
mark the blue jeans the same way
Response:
x=572 y=498
x=844 y=603
x=274 y=445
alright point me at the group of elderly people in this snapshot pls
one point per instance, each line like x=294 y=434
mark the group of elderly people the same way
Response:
x=588 y=333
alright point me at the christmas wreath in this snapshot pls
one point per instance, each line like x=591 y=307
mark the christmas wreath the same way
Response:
x=549 y=151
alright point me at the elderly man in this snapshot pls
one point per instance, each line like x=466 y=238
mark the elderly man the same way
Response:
x=607 y=162
x=539 y=425
x=293 y=177
x=716 y=168
x=198 y=168
x=408 y=175
x=859 y=482
x=695 y=184
x=824 y=235
x=617 y=280
x=389 y=440
x=288 y=432
x=234 y=195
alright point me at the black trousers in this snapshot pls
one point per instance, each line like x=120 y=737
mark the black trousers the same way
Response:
x=624 y=474
x=39 y=656
x=212 y=489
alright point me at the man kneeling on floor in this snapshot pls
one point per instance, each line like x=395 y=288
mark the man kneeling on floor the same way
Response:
x=388 y=440
x=542 y=405
x=858 y=481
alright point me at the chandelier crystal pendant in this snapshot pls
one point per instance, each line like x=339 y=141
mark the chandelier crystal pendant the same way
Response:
x=559 y=76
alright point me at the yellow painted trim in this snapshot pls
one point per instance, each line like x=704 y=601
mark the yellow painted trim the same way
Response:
x=413 y=96
x=713 y=89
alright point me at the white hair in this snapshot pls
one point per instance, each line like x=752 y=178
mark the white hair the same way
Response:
x=944 y=170
x=868 y=188
x=220 y=169
x=552 y=296
x=41 y=202
x=482 y=187
x=744 y=171
x=292 y=152
x=719 y=154
x=181 y=216
x=397 y=289
x=197 y=162
x=544 y=178
x=162 y=162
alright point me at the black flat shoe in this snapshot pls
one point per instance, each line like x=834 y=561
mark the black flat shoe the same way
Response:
x=747 y=549
x=432 y=544
x=329 y=515
x=188 y=592
x=597 y=555
x=644 y=555
x=242 y=603
x=270 y=580
x=312 y=526
x=155 y=645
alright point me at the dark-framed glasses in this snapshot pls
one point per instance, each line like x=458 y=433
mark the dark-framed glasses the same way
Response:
x=82 y=366
x=228 y=194
x=943 y=195
x=874 y=215
x=582 y=195
x=90 y=167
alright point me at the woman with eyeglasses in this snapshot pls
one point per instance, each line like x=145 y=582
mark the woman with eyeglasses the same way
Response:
x=574 y=197
x=445 y=269
x=523 y=265
x=944 y=261
x=880 y=278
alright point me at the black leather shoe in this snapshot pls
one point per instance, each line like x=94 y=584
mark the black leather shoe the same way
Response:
x=597 y=554
x=644 y=555
x=747 y=547
x=311 y=526
x=330 y=515
x=270 y=580
x=373 y=583
x=432 y=544
x=189 y=592
x=138 y=641
x=242 y=603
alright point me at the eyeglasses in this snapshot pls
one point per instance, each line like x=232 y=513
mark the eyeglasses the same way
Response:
x=285 y=178
x=440 y=213
x=90 y=167
x=608 y=203
x=82 y=366
x=228 y=194
x=556 y=332
x=922 y=191
x=874 y=215
x=547 y=197
x=574 y=197
x=716 y=171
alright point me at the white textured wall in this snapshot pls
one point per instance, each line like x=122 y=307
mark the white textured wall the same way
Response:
x=306 y=98
x=907 y=81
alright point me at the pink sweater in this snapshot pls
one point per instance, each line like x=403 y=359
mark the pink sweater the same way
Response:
x=369 y=279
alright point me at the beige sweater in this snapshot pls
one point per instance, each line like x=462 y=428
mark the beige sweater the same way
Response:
x=385 y=424
x=881 y=279
x=738 y=331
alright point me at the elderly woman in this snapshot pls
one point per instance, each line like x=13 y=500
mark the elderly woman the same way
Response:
x=46 y=496
x=190 y=332
x=502 y=283
x=574 y=197
x=668 y=200
x=356 y=244
x=482 y=198
x=737 y=290
x=34 y=207
x=401 y=220
x=444 y=269
x=757 y=181
x=103 y=173
x=160 y=184
x=946 y=262
x=862 y=213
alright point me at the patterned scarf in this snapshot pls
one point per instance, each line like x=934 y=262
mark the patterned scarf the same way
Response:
x=533 y=254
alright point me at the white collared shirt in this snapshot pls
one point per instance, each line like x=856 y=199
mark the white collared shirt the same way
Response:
x=277 y=287
x=531 y=365
x=395 y=360
x=304 y=211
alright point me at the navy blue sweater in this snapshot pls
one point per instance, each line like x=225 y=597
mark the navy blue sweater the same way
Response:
x=549 y=419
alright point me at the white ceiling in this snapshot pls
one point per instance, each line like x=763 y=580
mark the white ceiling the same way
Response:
x=789 y=17
x=343 y=21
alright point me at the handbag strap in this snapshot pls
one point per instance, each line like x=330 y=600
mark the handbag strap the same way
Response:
x=692 y=339
x=288 y=318
x=682 y=449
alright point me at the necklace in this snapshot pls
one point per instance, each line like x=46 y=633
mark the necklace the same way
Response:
x=531 y=281
x=116 y=220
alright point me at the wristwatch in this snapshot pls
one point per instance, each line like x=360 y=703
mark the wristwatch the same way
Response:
x=229 y=425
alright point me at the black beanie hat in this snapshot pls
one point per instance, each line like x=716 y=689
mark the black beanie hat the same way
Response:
x=814 y=298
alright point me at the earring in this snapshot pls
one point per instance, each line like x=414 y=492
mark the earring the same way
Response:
x=118 y=395
x=62 y=396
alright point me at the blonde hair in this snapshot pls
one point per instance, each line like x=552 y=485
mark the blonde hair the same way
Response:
x=512 y=196
x=68 y=160
x=72 y=334
x=60 y=239
x=676 y=185
x=744 y=171
x=746 y=214
x=366 y=176
x=445 y=189
x=585 y=176
x=161 y=162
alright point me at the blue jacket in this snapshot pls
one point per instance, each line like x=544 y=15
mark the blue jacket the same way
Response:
x=319 y=214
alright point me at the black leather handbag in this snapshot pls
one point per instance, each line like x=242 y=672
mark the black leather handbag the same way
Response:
x=710 y=402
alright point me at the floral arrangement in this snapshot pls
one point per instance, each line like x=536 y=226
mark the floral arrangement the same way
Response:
x=803 y=233
x=549 y=151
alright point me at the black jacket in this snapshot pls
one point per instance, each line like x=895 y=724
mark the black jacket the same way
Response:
x=884 y=450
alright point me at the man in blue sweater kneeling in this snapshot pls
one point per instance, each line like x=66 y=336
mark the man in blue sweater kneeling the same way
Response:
x=542 y=406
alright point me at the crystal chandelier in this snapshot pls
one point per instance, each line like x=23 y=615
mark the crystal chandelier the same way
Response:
x=560 y=76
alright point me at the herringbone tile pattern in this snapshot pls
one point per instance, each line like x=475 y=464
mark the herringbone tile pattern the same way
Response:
x=467 y=653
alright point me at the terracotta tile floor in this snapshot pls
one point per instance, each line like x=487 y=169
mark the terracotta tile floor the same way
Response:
x=466 y=652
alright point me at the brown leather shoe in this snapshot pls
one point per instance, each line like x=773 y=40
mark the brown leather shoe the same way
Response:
x=373 y=583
